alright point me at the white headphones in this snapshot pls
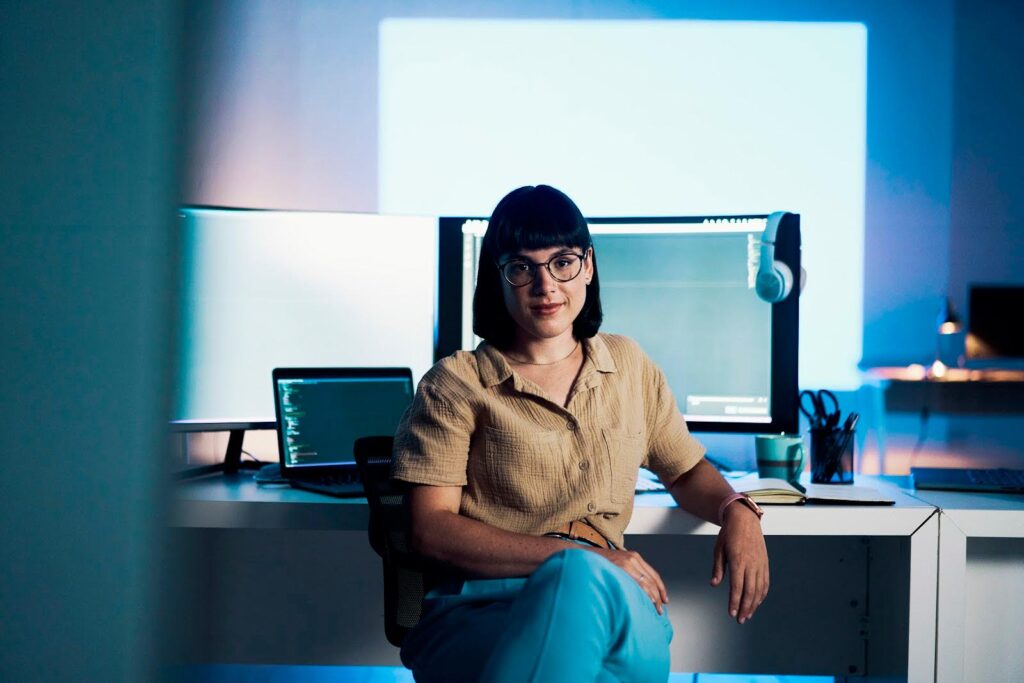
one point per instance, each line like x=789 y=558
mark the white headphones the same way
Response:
x=774 y=278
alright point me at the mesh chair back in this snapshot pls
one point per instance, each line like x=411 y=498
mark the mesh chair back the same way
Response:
x=389 y=536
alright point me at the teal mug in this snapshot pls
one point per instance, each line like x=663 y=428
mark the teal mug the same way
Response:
x=779 y=456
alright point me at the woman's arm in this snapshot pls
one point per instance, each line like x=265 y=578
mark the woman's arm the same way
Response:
x=440 y=533
x=740 y=544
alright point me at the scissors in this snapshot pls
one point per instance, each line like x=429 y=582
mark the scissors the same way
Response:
x=823 y=410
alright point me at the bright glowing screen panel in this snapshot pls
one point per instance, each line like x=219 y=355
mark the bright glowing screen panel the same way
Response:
x=644 y=118
x=266 y=289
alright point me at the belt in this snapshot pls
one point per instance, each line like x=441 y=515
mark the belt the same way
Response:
x=581 y=531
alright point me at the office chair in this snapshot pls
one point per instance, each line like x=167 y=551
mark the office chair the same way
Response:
x=389 y=534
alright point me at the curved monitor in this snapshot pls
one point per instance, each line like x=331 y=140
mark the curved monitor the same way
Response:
x=683 y=288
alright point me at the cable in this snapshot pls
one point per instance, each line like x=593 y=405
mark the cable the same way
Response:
x=255 y=459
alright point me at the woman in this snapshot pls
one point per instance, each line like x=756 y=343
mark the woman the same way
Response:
x=524 y=457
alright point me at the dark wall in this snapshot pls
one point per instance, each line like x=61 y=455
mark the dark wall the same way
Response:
x=986 y=242
x=87 y=272
x=987 y=197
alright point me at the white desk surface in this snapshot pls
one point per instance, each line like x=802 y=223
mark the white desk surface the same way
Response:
x=235 y=501
x=992 y=515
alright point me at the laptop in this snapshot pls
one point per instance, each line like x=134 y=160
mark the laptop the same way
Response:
x=967 y=479
x=321 y=412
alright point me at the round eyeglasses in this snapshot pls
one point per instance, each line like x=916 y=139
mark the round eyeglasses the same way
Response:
x=563 y=267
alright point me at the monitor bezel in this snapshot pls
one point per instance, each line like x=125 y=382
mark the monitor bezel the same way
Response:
x=785 y=314
x=288 y=373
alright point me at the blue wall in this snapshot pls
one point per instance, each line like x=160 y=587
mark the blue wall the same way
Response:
x=986 y=242
x=987 y=197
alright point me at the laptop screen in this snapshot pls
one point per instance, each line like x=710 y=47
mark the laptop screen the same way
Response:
x=321 y=413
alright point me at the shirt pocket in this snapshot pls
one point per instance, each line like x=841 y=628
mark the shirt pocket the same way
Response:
x=624 y=451
x=526 y=472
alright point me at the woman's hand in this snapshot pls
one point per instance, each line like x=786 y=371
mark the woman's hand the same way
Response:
x=741 y=547
x=644 y=574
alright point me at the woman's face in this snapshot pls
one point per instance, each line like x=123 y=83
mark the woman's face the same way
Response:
x=546 y=308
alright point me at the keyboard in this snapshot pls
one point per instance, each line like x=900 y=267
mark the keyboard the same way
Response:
x=968 y=479
x=1001 y=477
x=340 y=485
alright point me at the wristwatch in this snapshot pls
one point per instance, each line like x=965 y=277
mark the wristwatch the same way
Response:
x=743 y=498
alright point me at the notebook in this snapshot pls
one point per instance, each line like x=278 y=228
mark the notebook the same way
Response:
x=321 y=412
x=780 y=492
x=968 y=479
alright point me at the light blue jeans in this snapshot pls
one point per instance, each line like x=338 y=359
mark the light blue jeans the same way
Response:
x=578 y=617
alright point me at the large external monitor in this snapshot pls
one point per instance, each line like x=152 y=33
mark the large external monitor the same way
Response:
x=683 y=288
x=266 y=289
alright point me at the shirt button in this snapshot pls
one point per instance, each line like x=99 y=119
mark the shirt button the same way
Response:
x=571 y=426
x=584 y=465
x=591 y=507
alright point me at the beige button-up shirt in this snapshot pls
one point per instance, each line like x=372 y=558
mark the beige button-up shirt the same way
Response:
x=527 y=464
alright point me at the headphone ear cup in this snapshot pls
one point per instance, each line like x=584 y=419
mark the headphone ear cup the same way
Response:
x=774 y=279
x=786 y=274
x=775 y=282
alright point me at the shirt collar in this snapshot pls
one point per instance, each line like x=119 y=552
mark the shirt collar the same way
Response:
x=491 y=365
x=494 y=369
x=597 y=352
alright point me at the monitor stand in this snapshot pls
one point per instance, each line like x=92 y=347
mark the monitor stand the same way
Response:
x=233 y=454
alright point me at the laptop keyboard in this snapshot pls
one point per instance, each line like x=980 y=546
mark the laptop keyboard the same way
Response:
x=999 y=477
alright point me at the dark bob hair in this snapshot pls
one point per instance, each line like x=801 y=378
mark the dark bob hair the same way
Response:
x=531 y=217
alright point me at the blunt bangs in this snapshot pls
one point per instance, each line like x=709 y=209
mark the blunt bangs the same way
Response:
x=531 y=217
x=535 y=218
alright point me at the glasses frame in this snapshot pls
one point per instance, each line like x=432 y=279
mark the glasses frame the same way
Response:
x=547 y=265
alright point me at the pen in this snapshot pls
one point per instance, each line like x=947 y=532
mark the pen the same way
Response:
x=851 y=422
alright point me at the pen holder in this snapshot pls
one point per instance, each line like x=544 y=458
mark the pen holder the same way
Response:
x=832 y=456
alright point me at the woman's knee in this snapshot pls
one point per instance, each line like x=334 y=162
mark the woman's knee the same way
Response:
x=575 y=562
x=580 y=571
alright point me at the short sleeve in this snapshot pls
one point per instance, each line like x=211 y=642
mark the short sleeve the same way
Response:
x=672 y=449
x=433 y=437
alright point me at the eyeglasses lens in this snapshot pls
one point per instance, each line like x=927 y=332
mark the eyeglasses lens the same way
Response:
x=563 y=268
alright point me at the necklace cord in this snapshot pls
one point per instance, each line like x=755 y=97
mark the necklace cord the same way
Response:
x=554 y=362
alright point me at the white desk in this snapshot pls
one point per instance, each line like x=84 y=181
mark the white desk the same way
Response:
x=853 y=588
x=980 y=586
